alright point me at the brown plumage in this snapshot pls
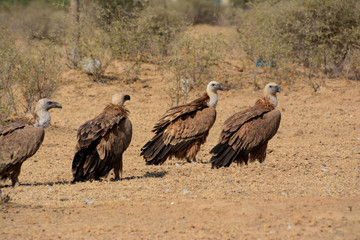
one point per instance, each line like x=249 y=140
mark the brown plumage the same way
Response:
x=183 y=129
x=102 y=142
x=21 y=140
x=245 y=135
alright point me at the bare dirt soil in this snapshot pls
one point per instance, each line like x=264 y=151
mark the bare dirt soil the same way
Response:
x=307 y=188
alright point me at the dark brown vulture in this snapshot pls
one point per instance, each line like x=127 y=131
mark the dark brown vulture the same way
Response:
x=246 y=134
x=21 y=140
x=102 y=142
x=183 y=129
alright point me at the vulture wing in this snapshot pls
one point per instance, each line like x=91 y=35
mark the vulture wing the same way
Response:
x=179 y=129
x=18 y=142
x=180 y=111
x=100 y=142
x=12 y=127
x=243 y=133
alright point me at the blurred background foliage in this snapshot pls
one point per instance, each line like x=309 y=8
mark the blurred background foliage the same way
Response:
x=41 y=38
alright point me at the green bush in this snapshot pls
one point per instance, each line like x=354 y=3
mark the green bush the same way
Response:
x=36 y=20
x=319 y=34
x=9 y=59
x=38 y=71
x=144 y=34
x=191 y=61
x=199 y=11
x=86 y=39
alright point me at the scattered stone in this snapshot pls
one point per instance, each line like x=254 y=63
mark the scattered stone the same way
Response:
x=91 y=66
x=87 y=201
x=324 y=169
x=184 y=191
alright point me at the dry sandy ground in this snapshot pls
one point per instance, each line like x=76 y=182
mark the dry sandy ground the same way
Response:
x=308 y=187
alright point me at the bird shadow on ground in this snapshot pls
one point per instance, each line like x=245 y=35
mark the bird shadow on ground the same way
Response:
x=146 y=175
x=39 y=184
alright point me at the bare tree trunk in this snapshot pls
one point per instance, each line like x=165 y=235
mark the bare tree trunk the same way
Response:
x=75 y=15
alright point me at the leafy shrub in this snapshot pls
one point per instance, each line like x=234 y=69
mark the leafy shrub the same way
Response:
x=9 y=59
x=37 y=20
x=144 y=34
x=38 y=71
x=200 y=11
x=86 y=39
x=191 y=61
x=319 y=34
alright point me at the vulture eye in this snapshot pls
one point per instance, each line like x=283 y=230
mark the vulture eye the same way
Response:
x=213 y=84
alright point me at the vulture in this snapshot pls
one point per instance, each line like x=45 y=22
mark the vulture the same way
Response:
x=183 y=129
x=245 y=135
x=102 y=141
x=20 y=140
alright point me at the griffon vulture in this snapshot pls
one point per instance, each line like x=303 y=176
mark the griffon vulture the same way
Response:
x=21 y=140
x=246 y=134
x=102 y=142
x=183 y=129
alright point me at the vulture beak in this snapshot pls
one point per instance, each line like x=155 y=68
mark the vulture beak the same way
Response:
x=55 y=105
x=126 y=97
x=219 y=87
x=278 y=89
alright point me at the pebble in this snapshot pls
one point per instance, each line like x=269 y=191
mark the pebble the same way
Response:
x=184 y=191
x=87 y=201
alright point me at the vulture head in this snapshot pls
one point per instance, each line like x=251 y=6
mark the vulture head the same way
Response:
x=41 y=111
x=211 y=90
x=270 y=91
x=119 y=99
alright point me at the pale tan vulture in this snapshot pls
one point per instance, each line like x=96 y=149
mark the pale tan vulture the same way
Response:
x=183 y=129
x=245 y=135
x=21 y=140
x=102 y=142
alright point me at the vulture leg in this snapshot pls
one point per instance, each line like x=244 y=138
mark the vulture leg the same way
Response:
x=15 y=174
x=259 y=153
x=118 y=169
x=15 y=182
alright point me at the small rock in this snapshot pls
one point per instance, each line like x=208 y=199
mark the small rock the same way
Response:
x=288 y=226
x=324 y=169
x=184 y=191
x=91 y=66
x=87 y=201
x=176 y=164
x=284 y=193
